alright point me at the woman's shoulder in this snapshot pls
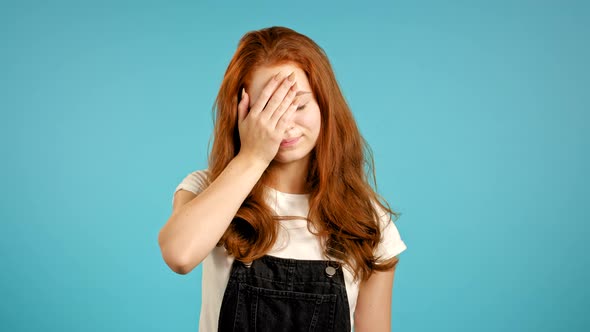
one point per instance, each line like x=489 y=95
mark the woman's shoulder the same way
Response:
x=391 y=243
x=195 y=181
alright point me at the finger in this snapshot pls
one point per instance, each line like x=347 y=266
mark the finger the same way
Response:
x=266 y=93
x=276 y=115
x=243 y=106
x=285 y=120
x=279 y=95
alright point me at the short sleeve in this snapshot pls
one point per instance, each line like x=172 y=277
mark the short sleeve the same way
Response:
x=194 y=182
x=391 y=243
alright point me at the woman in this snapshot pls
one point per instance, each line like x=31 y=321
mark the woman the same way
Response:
x=290 y=233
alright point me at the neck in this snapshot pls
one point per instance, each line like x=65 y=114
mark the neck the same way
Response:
x=289 y=177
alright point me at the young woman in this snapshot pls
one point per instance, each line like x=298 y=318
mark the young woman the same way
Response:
x=291 y=235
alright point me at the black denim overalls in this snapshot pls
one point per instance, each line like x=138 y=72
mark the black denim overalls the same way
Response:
x=285 y=295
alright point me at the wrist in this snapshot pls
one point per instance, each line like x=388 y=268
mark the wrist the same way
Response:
x=251 y=162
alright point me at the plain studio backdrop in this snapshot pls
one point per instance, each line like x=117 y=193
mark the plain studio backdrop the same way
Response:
x=477 y=113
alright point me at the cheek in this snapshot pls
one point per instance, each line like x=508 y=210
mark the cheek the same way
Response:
x=310 y=119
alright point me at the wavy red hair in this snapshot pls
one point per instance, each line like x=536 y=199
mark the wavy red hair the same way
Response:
x=344 y=207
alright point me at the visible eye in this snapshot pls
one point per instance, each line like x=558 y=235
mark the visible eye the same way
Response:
x=301 y=107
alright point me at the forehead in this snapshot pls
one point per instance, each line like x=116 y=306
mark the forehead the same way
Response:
x=260 y=76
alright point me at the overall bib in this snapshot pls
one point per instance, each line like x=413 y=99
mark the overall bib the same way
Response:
x=285 y=295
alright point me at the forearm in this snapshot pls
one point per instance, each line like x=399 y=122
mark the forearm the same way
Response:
x=194 y=230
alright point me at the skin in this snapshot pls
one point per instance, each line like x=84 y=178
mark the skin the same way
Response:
x=289 y=165
x=199 y=221
x=373 y=307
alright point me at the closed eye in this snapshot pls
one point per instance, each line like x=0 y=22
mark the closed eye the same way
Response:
x=301 y=107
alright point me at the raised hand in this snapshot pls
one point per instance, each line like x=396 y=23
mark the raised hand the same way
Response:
x=262 y=128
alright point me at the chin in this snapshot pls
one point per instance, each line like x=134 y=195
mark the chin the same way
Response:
x=287 y=156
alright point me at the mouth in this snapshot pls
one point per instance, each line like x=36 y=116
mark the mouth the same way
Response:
x=290 y=141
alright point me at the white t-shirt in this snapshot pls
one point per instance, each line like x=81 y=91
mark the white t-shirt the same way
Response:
x=294 y=241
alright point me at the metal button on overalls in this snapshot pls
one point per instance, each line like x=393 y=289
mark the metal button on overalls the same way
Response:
x=285 y=295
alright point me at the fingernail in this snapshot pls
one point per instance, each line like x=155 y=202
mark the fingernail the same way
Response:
x=277 y=76
x=243 y=92
x=292 y=77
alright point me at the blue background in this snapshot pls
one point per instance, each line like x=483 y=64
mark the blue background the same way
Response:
x=477 y=112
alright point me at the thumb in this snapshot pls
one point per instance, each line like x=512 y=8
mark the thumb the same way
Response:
x=243 y=106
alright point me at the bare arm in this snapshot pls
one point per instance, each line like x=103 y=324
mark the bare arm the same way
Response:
x=373 y=307
x=194 y=228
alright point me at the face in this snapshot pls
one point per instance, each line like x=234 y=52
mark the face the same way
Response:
x=306 y=122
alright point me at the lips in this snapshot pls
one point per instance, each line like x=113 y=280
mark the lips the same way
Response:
x=290 y=141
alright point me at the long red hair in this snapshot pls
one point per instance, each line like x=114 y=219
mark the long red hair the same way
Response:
x=344 y=207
